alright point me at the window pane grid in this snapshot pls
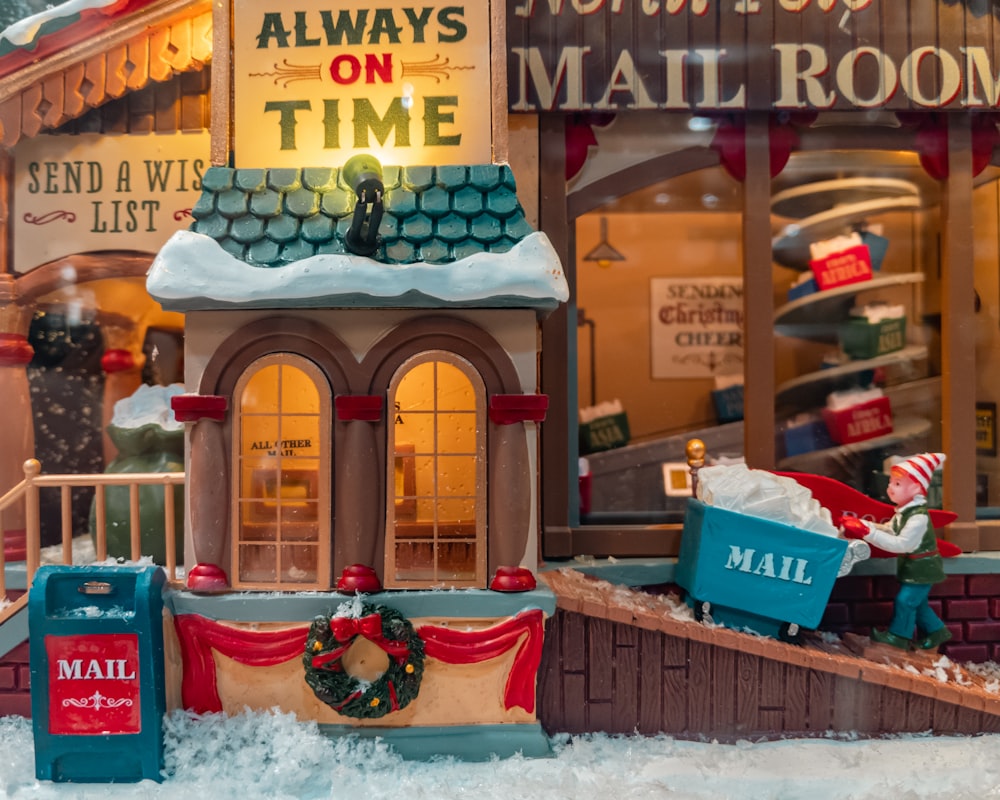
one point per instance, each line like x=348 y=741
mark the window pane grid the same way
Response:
x=441 y=542
x=280 y=514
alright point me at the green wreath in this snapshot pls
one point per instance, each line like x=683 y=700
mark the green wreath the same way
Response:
x=329 y=639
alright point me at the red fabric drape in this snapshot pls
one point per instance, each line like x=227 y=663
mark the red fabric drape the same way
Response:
x=199 y=636
x=471 y=647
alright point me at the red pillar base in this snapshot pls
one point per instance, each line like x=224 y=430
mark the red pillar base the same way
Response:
x=513 y=579
x=360 y=579
x=207 y=578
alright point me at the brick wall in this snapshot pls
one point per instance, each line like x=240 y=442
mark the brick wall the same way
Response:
x=15 y=683
x=968 y=604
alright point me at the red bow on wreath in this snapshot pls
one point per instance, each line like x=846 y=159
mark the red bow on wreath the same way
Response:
x=344 y=629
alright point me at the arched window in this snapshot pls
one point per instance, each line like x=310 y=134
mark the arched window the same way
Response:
x=436 y=504
x=282 y=455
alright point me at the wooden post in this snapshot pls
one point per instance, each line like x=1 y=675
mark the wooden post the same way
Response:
x=101 y=522
x=222 y=82
x=559 y=442
x=758 y=298
x=66 y=517
x=958 y=337
x=134 y=523
x=169 y=521
x=32 y=523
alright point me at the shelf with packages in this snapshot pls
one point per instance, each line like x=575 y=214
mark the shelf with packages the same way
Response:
x=905 y=430
x=818 y=316
x=828 y=234
x=825 y=208
x=811 y=389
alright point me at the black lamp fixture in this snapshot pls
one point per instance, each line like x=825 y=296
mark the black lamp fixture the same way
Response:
x=604 y=253
x=363 y=173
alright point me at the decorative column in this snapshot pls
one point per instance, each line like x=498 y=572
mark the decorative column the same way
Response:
x=17 y=434
x=122 y=363
x=356 y=491
x=208 y=489
x=512 y=482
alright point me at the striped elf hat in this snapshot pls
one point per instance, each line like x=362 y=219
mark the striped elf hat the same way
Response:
x=921 y=467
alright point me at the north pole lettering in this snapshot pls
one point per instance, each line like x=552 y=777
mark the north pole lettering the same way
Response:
x=653 y=8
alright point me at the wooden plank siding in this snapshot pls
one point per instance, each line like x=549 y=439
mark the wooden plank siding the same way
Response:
x=622 y=661
x=640 y=681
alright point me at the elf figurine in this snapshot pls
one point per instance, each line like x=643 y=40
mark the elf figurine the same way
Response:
x=919 y=564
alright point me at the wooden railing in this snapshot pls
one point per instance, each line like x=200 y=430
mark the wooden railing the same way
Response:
x=28 y=492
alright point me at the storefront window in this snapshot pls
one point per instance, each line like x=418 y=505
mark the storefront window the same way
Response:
x=436 y=505
x=857 y=242
x=282 y=519
x=659 y=341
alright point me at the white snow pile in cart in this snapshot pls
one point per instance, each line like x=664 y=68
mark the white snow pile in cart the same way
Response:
x=759 y=493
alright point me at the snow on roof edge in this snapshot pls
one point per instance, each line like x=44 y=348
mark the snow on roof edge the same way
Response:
x=26 y=31
x=194 y=267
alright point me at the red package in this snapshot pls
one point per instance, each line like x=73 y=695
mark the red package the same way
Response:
x=860 y=422
x=852 y=265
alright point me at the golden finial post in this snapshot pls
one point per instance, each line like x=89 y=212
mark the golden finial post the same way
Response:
x=695 y=452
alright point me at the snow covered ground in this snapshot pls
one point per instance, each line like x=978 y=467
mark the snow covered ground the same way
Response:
x=278 y=758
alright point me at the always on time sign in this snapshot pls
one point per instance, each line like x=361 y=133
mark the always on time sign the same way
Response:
x=319 y=81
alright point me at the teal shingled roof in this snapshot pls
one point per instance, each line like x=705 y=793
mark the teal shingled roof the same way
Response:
x=271 y=217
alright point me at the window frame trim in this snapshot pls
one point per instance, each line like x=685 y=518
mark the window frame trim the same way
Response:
x=482 y=496
x=324 y=512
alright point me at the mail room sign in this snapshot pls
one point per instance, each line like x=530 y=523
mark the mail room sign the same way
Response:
x=712 y=55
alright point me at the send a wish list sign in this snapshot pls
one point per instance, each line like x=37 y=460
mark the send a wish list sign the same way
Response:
x=696 y=327
x=91 y=193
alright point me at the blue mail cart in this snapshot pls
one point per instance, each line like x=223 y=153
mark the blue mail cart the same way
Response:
x=750 y=572
x=97 y=673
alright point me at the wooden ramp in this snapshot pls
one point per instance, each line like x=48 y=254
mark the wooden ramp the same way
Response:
x=619 y=660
